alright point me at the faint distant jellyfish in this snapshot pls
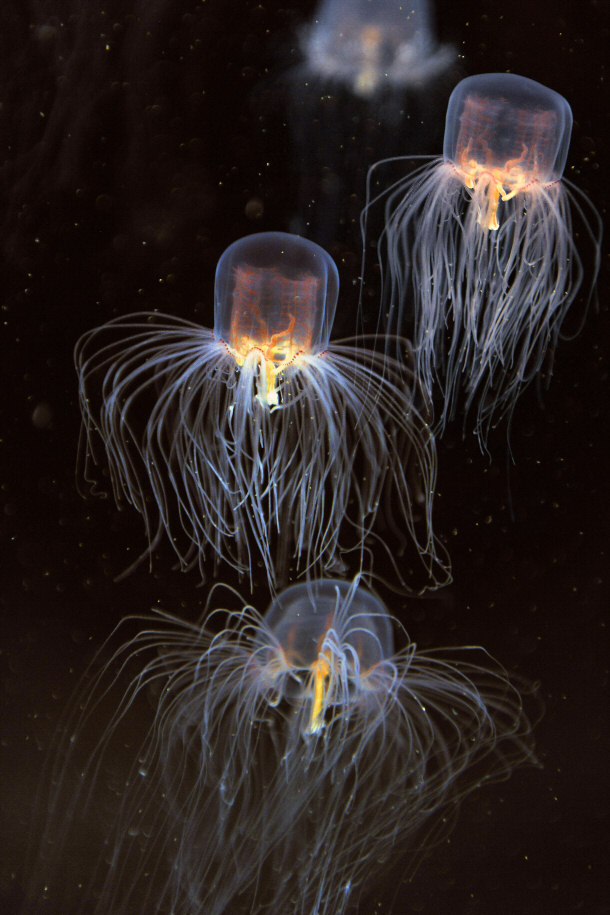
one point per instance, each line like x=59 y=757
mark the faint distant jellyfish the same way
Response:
x=290 y=755
x=354 y=97
x=259 y=441
x=372 y=44
x=477 y=250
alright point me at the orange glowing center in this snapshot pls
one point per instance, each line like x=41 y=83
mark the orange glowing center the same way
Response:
x=367 y=79
x=488 y=125
x=321 y=674
x=319 y=682
x=493 y=184
x=275 y=355
x=262 y=298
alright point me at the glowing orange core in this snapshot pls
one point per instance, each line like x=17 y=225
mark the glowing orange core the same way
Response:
x=529 y=134
x=368 y=78
x=272 y=321
x=496 y=184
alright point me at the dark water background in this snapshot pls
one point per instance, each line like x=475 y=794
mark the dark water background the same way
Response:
x=138 y=141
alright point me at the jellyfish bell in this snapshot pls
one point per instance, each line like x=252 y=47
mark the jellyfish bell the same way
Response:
x=289 y=755
x=274 y=301
x=260 y=442
x=328 y=638
x=370 y=46
x=477 y=249
x=505 y=136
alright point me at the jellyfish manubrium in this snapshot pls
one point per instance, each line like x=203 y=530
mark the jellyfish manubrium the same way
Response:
x=259 y=440
x=374 y=44
x=289 y=755
x=477 y=249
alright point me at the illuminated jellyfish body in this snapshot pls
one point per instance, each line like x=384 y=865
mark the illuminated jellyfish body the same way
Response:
x=290 y=755
x=257 y=441
x=370 y=45
x=477 y=249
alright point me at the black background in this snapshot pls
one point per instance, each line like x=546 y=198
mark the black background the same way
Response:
x=138 y=141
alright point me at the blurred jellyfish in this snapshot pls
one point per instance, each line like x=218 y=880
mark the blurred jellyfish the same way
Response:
x=356 y=97
x=372 y=44
x=477 y=249
x=289 y=757
x=259 y=440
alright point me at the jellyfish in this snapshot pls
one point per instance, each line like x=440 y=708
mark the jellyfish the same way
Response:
x=290 y=755
x=371 y=74
x=372 y=44
x=259 y=442
x=477 y=249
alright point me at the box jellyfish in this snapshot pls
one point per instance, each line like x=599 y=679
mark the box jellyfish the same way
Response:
x=256 y=441
x=289 y=756
x=372 y=44
x=478 y=250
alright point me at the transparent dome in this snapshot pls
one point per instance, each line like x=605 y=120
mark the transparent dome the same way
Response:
x=276 y=293
x=302 y=616
x=509 y=125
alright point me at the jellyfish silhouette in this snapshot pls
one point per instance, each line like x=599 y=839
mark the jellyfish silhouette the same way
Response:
x=371 y=45
x=364 y=65
x=260 y=440
x=477 y=249
x=289 y=756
